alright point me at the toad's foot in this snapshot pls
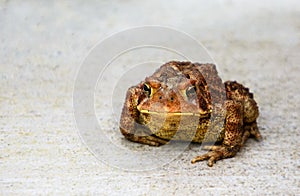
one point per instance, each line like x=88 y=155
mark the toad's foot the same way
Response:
x=217 y=153
x=151 y=140
x=147 y=139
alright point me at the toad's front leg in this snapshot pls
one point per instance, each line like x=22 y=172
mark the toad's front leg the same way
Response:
x=129 y=127
x=233 y=135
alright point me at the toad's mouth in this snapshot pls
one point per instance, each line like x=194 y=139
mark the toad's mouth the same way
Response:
x=172 y=125
x=200 y=114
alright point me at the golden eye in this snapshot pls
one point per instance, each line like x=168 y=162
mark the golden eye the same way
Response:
x=191 y=92
x=147 y=89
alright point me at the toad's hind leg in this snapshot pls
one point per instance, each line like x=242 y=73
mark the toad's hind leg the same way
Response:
x=240 y=93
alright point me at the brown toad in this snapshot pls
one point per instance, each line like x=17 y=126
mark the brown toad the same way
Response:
x=189 y=102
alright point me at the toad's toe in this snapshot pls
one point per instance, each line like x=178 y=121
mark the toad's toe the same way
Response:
x=217 y=153
x=211 y=156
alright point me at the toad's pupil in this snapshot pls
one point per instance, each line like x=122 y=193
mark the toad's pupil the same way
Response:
x=191 y=91
x=147 y=89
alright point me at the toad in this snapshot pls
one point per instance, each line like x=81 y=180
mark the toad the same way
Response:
x=189 y=102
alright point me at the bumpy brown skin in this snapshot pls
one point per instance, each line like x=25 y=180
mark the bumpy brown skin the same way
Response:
x=163 y=108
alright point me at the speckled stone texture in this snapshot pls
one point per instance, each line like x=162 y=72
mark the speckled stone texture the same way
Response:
x=43 y=44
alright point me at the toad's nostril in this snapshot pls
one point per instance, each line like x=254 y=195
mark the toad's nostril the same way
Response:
x=173 y=124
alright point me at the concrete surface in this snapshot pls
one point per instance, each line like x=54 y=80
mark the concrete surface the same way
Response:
x=43 y=45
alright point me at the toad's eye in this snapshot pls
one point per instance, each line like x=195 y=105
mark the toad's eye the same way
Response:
x=191 y=92
x=147 y=89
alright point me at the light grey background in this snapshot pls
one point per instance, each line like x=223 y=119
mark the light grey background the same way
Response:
x=43 y=44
